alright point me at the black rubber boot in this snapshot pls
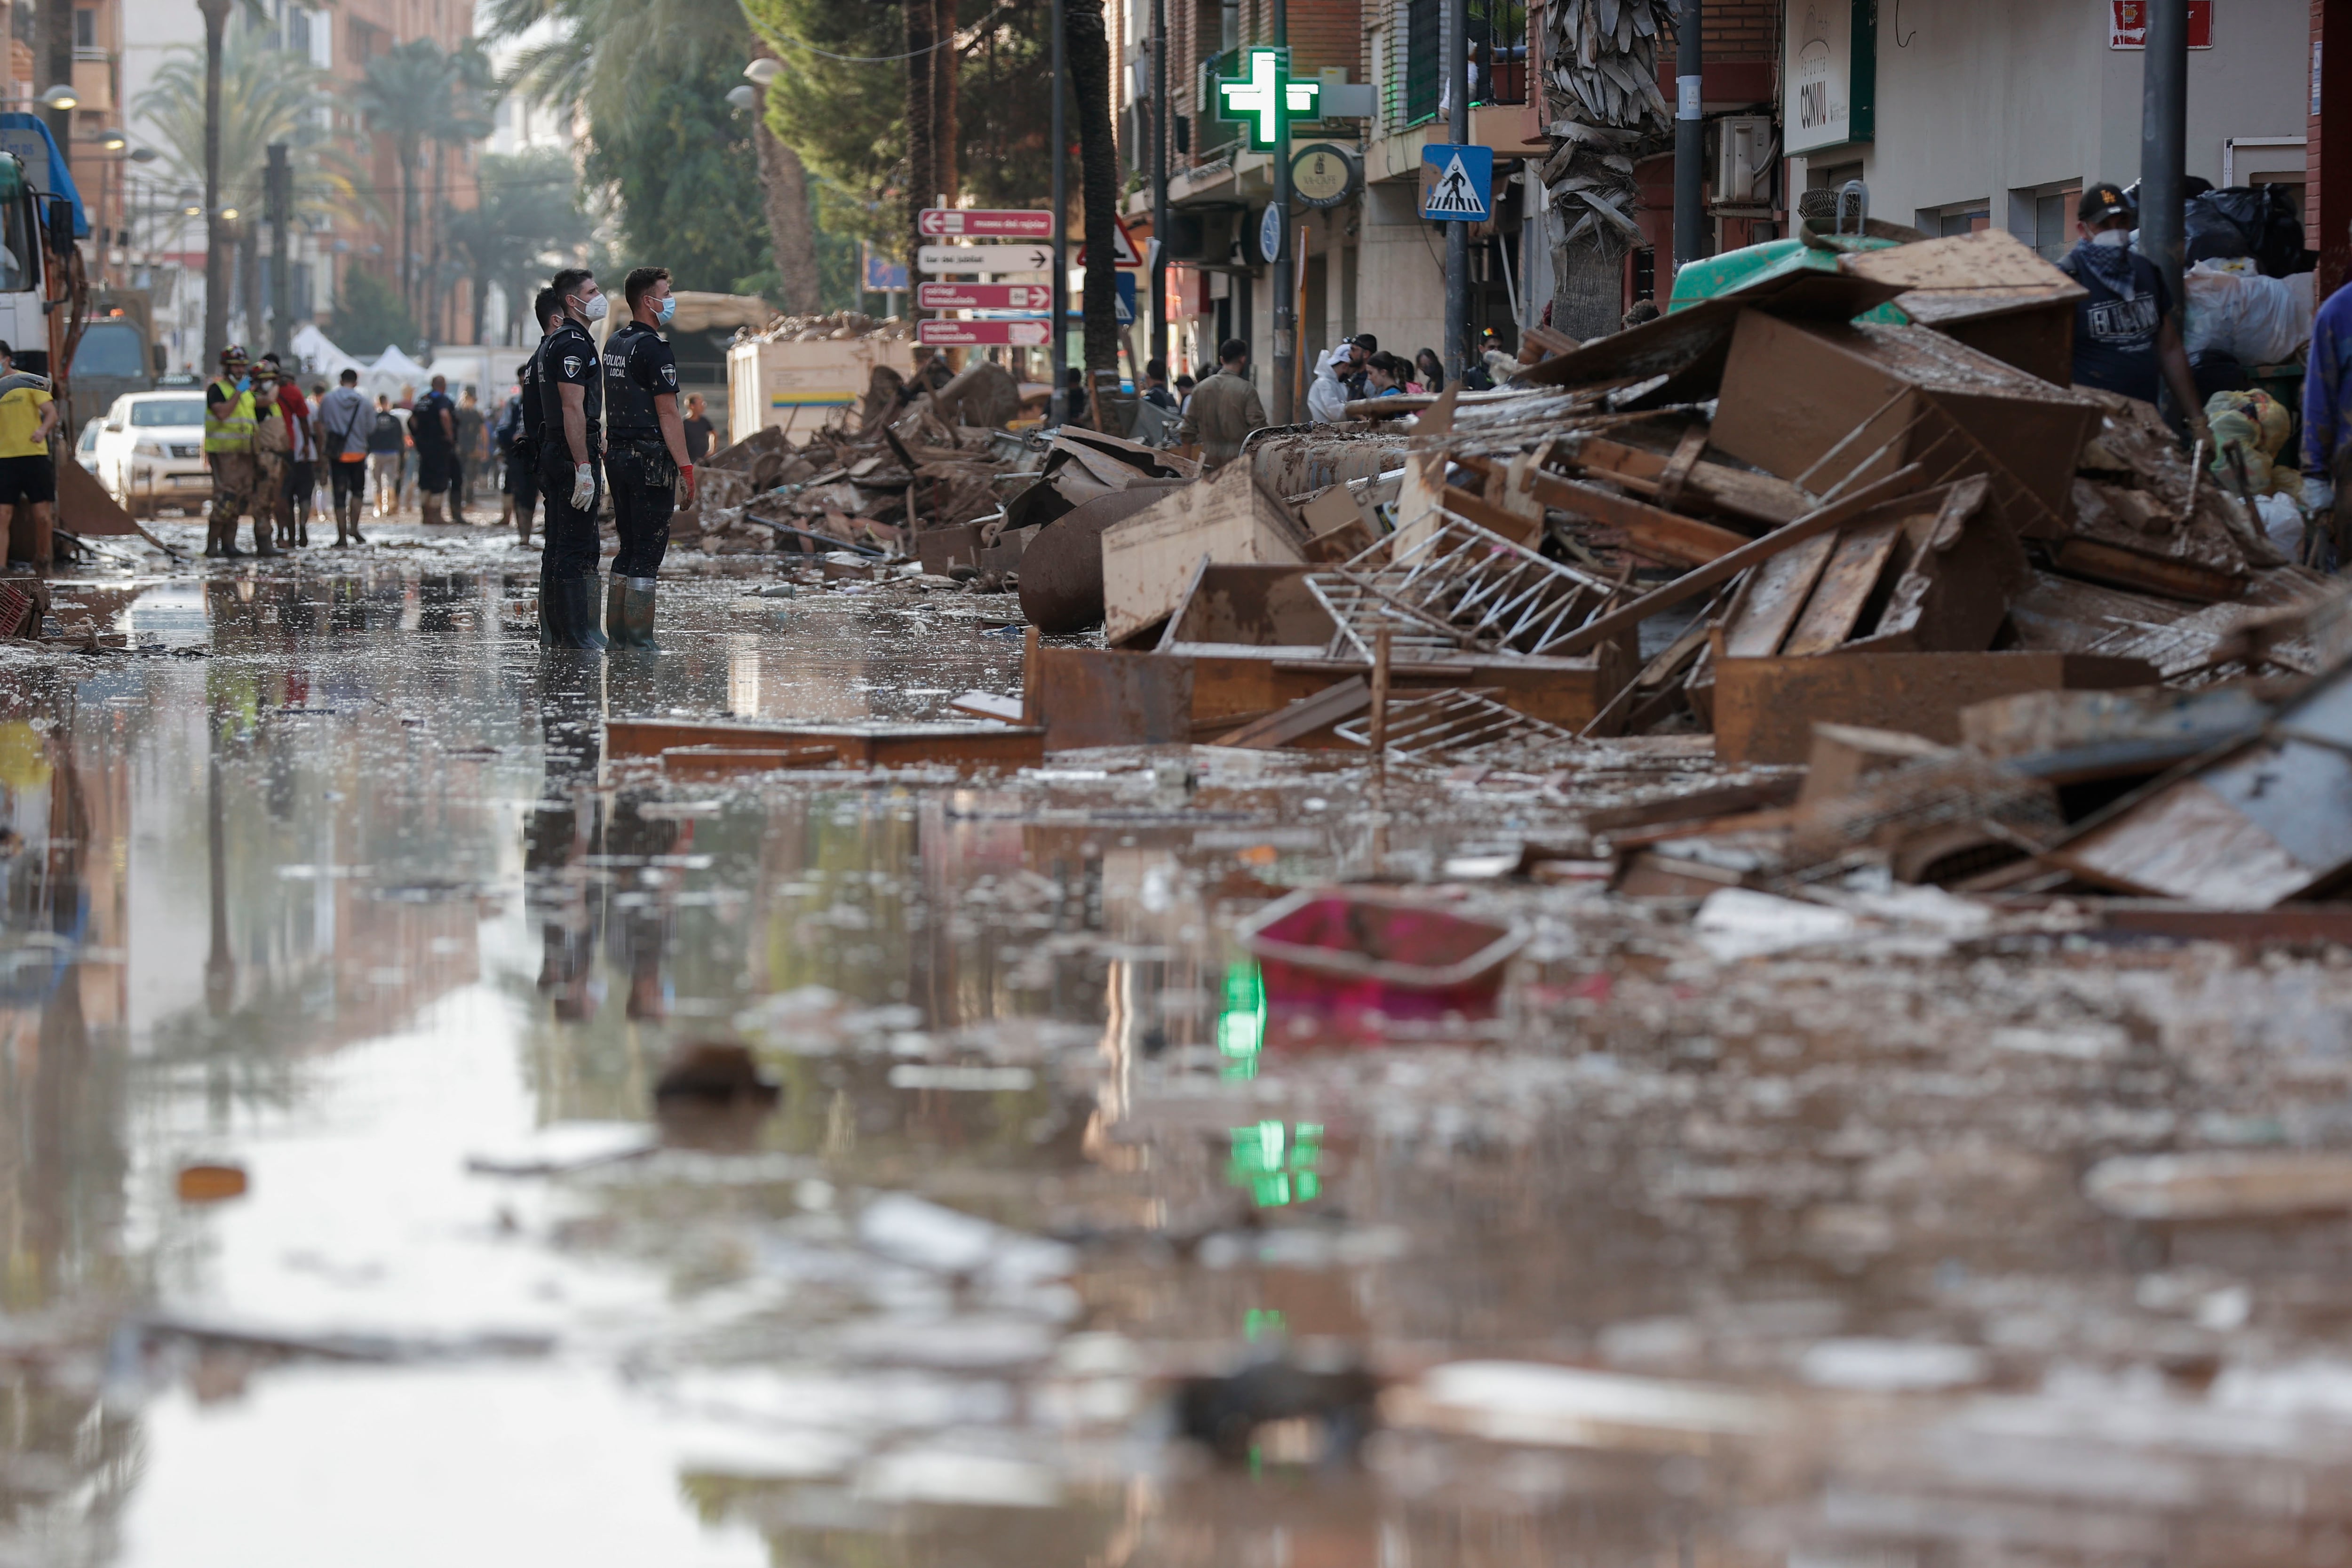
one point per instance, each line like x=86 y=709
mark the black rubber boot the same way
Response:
x=616 y=630
x=636 y=618
x=567 y=613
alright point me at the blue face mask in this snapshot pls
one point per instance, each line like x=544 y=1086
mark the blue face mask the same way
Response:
x=669 y=309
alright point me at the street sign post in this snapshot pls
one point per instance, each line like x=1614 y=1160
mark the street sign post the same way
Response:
x=986 y=223
x=986 y=260
x=1029 y=334
x=1123 y=249
x=985 y=297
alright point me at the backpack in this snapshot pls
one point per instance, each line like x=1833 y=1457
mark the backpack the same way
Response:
x=384 y=435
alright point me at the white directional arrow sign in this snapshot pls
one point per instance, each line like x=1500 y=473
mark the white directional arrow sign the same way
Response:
x=985 y=258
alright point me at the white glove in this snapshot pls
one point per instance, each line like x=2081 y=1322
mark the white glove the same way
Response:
x=583 y=487
x=2318 y=492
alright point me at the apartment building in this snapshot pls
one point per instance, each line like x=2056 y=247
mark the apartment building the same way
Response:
x=1372 y=264
x=1961 y=114
x=163 y=249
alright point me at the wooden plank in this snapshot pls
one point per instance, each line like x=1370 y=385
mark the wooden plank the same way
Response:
x=1677 y=471
x=1776 y=596
x=1342 y=700
x=898 y=745
x=1761 y=497
x=2145 y=573
x=1651 y=530
x=1488 y=515
x=1765 y=708
x=725 y=762
x=1821 y=520
x=1852 y=576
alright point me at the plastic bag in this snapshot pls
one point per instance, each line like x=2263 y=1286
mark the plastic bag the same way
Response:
x=2281 y=524
x=2234 y=427
x=2258 y=320
x=2269 y=417
x=2259 y=221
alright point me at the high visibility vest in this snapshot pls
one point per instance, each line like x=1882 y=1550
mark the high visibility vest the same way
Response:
x=234 y=434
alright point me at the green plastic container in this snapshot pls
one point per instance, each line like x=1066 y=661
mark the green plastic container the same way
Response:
x=1735 y=270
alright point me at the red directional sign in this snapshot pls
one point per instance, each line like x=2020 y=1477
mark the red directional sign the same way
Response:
x=992 y=223
x=974 y=334
x=984 y=297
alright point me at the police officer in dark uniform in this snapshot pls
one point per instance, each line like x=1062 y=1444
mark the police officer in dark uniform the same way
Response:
x=523 y=435
x=646 y=453
x=572 y=405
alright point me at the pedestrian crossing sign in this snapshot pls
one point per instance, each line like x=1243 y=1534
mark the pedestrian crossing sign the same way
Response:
x=1457 y=183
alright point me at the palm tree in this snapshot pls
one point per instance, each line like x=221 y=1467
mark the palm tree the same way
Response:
x=408 y=94
x=615 y=64
x=1089 y=62
x=528 y=206
x=1602 y=99
x=213 y=119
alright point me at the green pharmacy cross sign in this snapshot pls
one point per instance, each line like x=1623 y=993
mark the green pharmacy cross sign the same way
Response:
x=1267 y=98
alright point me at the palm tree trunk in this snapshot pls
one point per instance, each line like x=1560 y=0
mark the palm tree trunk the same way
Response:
x=922 y=156
x=215 y=253
x=1589 y=287
x=791 y=232
x=943 y=98
x=1090 y=65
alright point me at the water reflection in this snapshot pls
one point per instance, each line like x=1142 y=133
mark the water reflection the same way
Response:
x=972 y=1143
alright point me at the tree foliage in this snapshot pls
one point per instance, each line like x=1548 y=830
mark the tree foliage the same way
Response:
x=267 y=95
x=369 y=317
x=528 y=206
x=848 y=117
x=650 y=77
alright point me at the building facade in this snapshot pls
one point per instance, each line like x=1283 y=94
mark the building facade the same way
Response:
x=1954 y=115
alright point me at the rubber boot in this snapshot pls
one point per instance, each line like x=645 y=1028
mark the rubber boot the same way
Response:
x=636 y=617
x=212 y=539
x=430 y=504
x=343 y=524
x=567 y=612
x=616 y=631
x=357 y=538
x=261 y=544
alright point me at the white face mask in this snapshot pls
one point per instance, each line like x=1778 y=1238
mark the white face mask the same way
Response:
x=594 y=309
x=2111 y=238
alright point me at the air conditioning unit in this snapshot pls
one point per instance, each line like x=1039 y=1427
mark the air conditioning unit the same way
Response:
x=1745 y=148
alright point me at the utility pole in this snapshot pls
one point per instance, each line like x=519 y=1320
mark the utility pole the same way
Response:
x=1286 y=281
x=1457 y=232
x=1159 y=180
x=2163 y=139
x=1690 y=136
x=278 y=203
x=1061 y=214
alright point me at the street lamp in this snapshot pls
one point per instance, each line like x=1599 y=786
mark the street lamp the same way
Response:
x=61 y=97
x=228 y=214
x=114 y=140
x=192 y=202
x=764 y=69
x=743 y=97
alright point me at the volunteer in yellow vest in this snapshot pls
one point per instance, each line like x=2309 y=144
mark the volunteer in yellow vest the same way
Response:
x=26 y=478
x=230 y=415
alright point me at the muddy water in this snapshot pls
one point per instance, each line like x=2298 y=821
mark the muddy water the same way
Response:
x=332 y=887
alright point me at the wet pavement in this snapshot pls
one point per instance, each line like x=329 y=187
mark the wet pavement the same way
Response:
x=329 y=893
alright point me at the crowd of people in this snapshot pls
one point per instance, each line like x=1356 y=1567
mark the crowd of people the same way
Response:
x=277 y=455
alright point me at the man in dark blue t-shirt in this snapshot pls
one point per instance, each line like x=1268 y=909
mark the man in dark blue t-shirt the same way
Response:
x=2126 y=332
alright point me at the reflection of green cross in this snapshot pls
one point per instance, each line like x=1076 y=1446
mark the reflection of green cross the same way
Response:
x=1267 y=98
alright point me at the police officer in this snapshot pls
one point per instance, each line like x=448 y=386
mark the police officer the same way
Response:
x=571 y=406
x=646 y=453
x=520 y=433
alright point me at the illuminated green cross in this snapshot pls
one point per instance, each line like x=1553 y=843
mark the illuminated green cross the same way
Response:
x=1267 y=98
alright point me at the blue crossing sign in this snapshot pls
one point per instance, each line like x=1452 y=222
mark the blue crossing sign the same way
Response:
x=1457 y=183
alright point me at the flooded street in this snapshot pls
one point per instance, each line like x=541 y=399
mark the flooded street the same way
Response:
x=386 y=1181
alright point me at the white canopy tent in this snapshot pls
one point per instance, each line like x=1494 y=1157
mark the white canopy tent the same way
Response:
x=386 y=373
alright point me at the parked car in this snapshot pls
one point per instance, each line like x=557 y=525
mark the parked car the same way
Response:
x=86 y=448
x=151 y=452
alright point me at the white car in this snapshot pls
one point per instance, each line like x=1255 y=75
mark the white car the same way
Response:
x=151 y=452
x=86 y=448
